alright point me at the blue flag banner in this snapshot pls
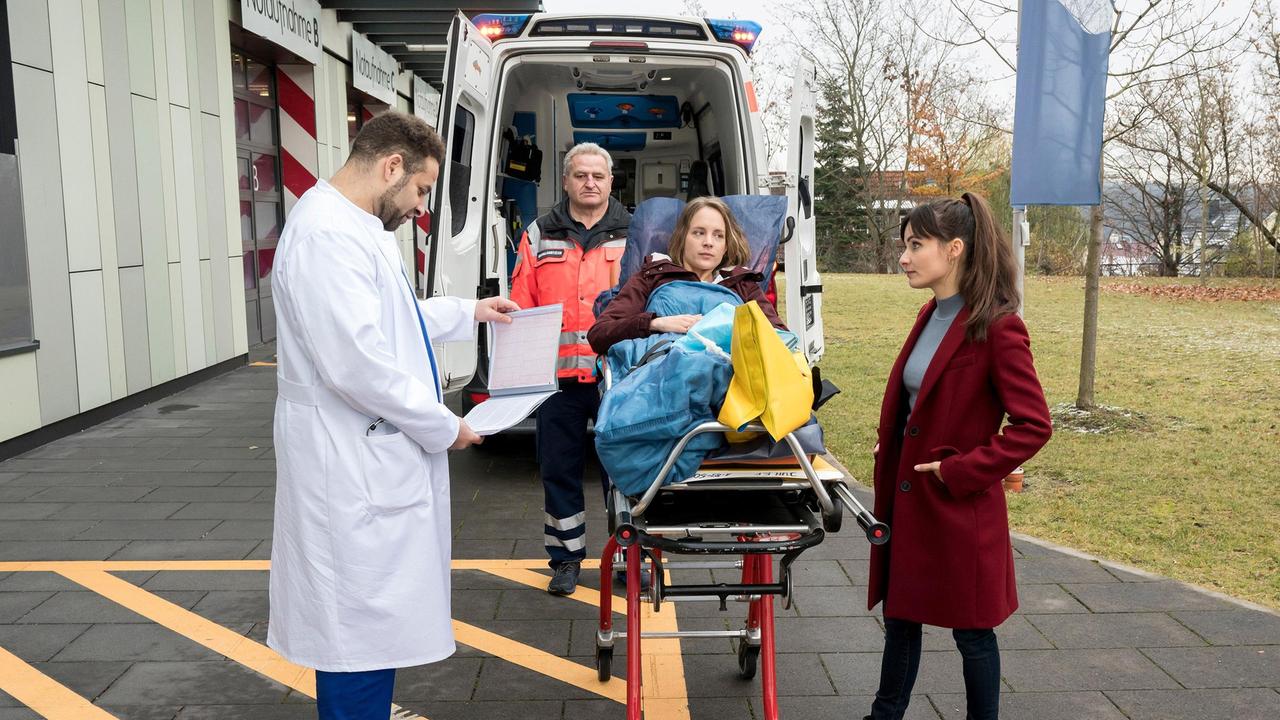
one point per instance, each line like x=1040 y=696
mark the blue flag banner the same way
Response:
x=1062 y=86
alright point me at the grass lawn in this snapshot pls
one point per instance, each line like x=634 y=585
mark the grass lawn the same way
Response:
x=1188 y=486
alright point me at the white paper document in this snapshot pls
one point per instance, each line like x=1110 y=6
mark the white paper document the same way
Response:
x=522 y=368
x=499 y=413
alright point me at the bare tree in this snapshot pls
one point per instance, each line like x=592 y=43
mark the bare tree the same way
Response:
x=877 y=77
x=1148 y=207
x=1152 y=42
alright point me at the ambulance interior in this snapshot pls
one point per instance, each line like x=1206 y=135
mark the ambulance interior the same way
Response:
x=672 y=126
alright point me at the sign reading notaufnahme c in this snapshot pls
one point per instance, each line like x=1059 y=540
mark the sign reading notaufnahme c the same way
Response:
x=292 y=24
x=372 y=69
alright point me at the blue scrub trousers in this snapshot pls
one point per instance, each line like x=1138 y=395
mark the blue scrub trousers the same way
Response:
x=354 y=695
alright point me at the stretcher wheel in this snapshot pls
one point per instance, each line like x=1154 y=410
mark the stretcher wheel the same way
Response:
x=831 y=523
x=604 y=663
x=748 y=655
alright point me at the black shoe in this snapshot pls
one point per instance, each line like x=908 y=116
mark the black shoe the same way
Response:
x=565 y=580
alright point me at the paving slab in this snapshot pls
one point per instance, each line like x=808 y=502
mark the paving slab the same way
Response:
x=1115 y=630
x=1196 y=704
x=1221 y=667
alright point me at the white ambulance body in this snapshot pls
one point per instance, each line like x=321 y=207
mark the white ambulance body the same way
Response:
x=550 y=81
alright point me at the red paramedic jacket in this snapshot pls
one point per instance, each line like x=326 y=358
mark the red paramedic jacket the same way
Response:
x=560 y=261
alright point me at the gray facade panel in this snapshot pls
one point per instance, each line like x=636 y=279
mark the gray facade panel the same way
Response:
x=207 y=59
x=29 y=33
x=155 y=243
x=137 y=353
x=216 y=223
x=124 y=171
x=142 y=64
x=46 y=243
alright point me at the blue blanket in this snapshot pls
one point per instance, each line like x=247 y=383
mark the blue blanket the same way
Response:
x=651 y=407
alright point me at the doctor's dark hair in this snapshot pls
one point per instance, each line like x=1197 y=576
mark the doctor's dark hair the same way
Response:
x=988 y=275
x=393 y=133
x=736 y=251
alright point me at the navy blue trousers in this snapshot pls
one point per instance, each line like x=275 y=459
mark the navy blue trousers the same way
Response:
x=564 y=448
x=354 y=695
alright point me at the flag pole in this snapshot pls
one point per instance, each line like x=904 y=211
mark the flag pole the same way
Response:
x=1021 y=235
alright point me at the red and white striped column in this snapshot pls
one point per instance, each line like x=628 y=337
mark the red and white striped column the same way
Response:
x=299 y=154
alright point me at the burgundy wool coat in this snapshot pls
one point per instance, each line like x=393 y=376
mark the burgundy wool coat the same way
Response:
x=949 y=561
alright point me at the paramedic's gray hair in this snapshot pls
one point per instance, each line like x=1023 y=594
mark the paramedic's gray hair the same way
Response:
x=587 y=148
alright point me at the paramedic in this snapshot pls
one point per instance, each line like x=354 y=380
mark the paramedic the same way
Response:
x=359 y=580
x=707 y=245
x=568 y=256
x=942 y=453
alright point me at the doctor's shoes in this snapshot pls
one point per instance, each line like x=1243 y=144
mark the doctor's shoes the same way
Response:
x=565 y=581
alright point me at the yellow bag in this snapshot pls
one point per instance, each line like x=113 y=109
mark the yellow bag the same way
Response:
x=769 y=381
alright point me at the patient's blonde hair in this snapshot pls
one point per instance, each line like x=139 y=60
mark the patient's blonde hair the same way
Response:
x=736 y=251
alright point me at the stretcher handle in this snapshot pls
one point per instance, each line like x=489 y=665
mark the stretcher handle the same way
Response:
x=877 y=532
x=819 y=488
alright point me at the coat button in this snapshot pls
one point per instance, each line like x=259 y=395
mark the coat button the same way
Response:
x=906 y=486
x=914 y=431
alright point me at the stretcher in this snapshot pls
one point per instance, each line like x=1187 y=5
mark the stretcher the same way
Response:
x=739 y=516
x=731 y=517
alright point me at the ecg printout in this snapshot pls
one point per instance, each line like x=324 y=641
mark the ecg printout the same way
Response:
x=524 y=351
x=522 y=368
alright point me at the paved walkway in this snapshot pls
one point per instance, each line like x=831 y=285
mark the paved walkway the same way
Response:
x=149 y=633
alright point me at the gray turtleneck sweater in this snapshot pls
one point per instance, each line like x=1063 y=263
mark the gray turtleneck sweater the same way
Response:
x=927 y=344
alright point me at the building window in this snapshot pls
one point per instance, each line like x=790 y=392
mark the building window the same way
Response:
x=15 y=288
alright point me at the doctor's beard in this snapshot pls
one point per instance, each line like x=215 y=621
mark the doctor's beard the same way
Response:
x=391 y=216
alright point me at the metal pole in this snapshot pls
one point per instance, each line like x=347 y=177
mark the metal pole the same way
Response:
x=1021 y=239
x=1021 y=235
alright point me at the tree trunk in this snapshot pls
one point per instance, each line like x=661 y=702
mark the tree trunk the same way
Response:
x=1089 y=342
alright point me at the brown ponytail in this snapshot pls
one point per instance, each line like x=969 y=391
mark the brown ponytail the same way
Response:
x=989 y=278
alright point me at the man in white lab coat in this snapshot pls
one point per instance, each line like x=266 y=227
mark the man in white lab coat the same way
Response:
x=361 y=547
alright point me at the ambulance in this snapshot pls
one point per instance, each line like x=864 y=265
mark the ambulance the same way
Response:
x=670 y=98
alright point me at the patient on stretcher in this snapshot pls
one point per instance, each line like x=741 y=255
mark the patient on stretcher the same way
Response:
x=707 y=246
x=643 y=417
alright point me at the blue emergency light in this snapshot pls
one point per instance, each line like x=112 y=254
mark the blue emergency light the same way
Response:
x=495 y=26
x=742 y=33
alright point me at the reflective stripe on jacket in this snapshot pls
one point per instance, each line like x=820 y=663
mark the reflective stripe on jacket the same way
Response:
x=556 y=265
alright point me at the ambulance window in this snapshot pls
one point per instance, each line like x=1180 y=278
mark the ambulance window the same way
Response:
x=464 y=125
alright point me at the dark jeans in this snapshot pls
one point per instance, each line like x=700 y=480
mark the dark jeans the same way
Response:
x=901 y=661
x=564 y=448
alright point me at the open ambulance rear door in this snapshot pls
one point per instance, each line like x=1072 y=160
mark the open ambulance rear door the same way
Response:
x=804 y=284
x=458 y=209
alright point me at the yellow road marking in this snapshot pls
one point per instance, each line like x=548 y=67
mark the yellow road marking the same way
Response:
x=43 y=694
x=665 y=688
x=247 y=652
x=539 y=661
x=57 y=566
x=262 y=364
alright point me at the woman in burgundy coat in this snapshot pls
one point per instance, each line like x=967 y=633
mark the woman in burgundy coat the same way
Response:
x=942 y=453
x=707 y=245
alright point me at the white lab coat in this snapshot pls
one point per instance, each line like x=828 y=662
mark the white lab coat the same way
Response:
x=361 y=546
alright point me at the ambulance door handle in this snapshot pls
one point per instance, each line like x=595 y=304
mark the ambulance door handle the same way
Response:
x=791 y=229
x=806 y=199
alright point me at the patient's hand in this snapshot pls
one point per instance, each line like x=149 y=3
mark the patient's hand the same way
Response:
x=673 y=323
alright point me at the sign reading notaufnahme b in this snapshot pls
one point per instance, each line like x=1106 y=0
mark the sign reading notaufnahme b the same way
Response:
x=372 y=69
x=292 y=24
